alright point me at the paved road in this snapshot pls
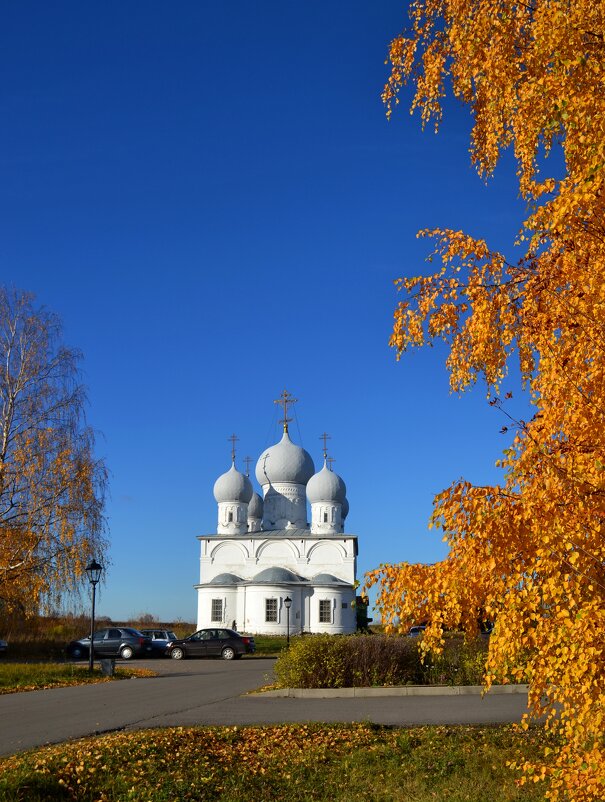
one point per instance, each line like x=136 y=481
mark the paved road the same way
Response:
x=210 y=692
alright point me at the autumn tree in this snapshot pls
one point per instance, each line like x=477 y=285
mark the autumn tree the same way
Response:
x=528 y=553
x=51 y=484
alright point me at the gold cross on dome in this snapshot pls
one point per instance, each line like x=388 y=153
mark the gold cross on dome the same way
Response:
x=330 y=461
x=285 y=399
x=247 y=461
x=325 y=437
x=233 y=440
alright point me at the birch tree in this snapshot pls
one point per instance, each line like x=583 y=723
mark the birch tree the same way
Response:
x=51 y=483
x=528 y=553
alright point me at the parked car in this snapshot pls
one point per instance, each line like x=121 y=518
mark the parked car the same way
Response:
x=3 y=647
x=414 y=632
x=160 y=638
x=225 y=643
x=113 y=642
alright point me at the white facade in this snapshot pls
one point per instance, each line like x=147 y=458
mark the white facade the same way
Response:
x=246 y=574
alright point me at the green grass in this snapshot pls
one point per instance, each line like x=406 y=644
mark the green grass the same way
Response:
x=33 y=676
x=268 y=645
x=287 y=763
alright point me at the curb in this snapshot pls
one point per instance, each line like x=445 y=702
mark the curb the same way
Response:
x=404 y=690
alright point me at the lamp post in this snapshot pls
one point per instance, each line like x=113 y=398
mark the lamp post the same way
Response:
x=287 y=605
x=94 y=574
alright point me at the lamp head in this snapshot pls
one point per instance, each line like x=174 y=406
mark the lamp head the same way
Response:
x=94 y=572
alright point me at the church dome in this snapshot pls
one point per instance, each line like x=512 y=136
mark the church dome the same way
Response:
x=328 y=579
x=326 y=486
x=233 y=486
x=255 y=507
x=226 y=579
x=284 y=462
x=345 y=508
x=277 y=575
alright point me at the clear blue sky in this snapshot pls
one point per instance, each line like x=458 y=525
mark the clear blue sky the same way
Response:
x=210 y=196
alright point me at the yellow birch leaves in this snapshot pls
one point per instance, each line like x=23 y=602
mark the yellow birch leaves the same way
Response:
x=530 y=553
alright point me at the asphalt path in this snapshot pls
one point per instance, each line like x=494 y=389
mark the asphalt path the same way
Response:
x=215 y=692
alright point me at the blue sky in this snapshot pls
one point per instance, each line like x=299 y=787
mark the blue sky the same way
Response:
x=211 y=197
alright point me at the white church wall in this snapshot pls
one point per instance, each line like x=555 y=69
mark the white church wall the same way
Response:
x=284 y=503
x=224 y=610
x=332 y=558
x=330 y=610
x=326 y=518
x=257 y=607
x=224 y=557
x=278 y=552
x=232 y=518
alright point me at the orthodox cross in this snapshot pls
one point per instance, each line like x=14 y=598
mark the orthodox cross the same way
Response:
x=285 y=399
x=330 y=461
x=233 y=440
x=248 y=460
x=325 y=437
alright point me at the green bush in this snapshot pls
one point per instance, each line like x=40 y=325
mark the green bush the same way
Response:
x=356 y=661
x=460 y=663
x=344 y=661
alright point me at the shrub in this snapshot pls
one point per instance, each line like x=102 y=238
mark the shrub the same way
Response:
x=340 y=661
x=345 y=661
x=460 y=663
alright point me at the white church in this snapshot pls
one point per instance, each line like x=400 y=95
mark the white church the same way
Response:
x=266 y=570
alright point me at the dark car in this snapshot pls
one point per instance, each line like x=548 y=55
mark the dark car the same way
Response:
x=160 y=638
x=414 y=632
x=3 y=647
x=113 y=642
x=225 y=643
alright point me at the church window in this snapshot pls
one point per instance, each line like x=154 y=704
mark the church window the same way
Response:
x=271 y=610
x=230 y=517
x=216 y=610
x=325 y=517
x=325 y=611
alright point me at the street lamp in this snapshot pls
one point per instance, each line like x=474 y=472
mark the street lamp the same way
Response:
x=287 y=605
x=94 y=574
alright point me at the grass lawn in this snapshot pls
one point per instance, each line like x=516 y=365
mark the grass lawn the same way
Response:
x=268 y=646
x=33 y=676
x=352 y=763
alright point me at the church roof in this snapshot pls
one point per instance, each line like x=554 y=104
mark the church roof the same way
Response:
x=233 y=486
x=345 y=508
x=284 y=462
x=226 y=579
x=326 y=486
x=279 y=534
x=276 y=575
x=327 y=579
x=255 y=507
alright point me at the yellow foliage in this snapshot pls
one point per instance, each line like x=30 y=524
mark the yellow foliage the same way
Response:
x=51 y=484
x=529 y=553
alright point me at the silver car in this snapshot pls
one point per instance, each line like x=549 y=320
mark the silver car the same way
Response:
x=160 y=638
